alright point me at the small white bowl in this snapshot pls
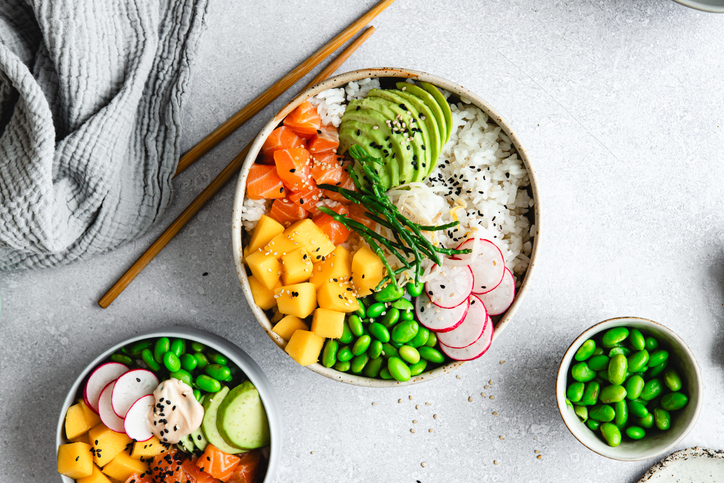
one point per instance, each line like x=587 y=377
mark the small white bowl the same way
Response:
x=712 y=6
x=245 y=363
x=657 y=443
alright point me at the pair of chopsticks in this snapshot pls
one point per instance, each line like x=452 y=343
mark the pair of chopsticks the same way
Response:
x=232 y=124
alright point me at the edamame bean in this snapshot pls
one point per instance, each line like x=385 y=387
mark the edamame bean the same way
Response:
x=582 y=373
x=344 y=354
x=617 y=368
x=201 y=360
x=355 y=325
x=375 y=310
x=208 y=384
x=431 y=354
x=373 y=367
x=151 y=363
x=598 y=363
x=389 y=294
x=162 y=346
x=171 y=361
x=635 y=433
x=651 y=344
x=407 y=315
x=375 y=349
x=598 y=351
x=613 y=393
x=658 y=357
x=602 y=412
x=654 y=371
x=431 y=340
x=391 y=317
x=217 y=358
x=590 y=394
x=178 y=347
x=405 y=332
x=409 y=354
x=137 y=347
x=183 y=376
x=188 y=362
x=329 y=355
x=674 y=401
x=645 y=422
x=575 y=391
x=614 y=336
x=593 y=425
x=415 y=289
x=385 y=374
x=581 y=412
x=619 y=350
x=634 y=387
x=197 y=347
x=122 y=358
x=359 y=362
x=347 y=335
x=361 y=312
x=361 y=346
x=585 y=351
x=637 y=340
x=611 y=434
x=651 y=389
x=419 y=368
x=389 y=350
x=398 y=369
x=342 y=366
x=672 y=379
x=197 y=394
x=420 y=339
x=403 y=305
x=638 y=360
x=621 y=409
x=380 y=332
x=218 y=372
x=662 y=419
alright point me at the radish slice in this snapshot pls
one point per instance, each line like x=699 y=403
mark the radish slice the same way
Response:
x=450 y=286
x=438 y=319
x=130 y=387
x=488 y=267
x=475 y=350
x=470 y=330
x=498 y=300
x=99 y=379
x=105 y=410
x=136 y=422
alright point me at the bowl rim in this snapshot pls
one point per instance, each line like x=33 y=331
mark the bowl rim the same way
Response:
x=703 y=7
x=336 y=81
x=216 y=342
x=561 y=380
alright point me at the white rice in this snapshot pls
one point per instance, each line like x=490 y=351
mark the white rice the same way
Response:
x=332 y=102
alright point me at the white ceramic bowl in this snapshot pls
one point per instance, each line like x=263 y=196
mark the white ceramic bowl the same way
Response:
x=658 y=442
x=223 y=346
x=712 y=6
x=340 y=80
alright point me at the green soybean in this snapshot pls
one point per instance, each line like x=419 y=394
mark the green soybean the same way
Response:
x=385 y=374
x=162 y=346
x=407 y=315
x=598 y=363
x=582 y=373
x=380 y=332
x=635 y=432
x=389 y=350
x=415 y=289
x=359 y=362
x=431 y=340
x=137 y=347
x=431 y=354
x=218 y=372
x=347 y=335
x=403 y=305
x=419 y=368
x=390 y=318
x=672 y=380
x=662 y=419
x=178 y=347
x=182 y=375
x=590 y=394
x=674 y=401
x=645 y=421
x=581 y=412
x=634 y=387
x=197 y=394
x=355 y=325
x=396 y=345
x=593 y=425
x=651 y=344
x=329 y=354
x=619 y=350
x=575 y=391
x=188 y=362
x=602 y=412
x=122 y=358
x=390 y=293
x=405 y=331
x=658 y=357
x=171 y=361
x=217 y=358
x=373 y=367
x=614 y=336
x=599 y=351
x=201 y=360
x=420 y=339
x=621 y=409
x=637 y=340
x=344 y=354
x=208 y=384
x=654 y=371
x=585 y=351
x=651 y=390
x=375 y=349
x=342 y=366
x=197 y=347
x=613 y=393
x=361 y=312
x=148 y=358
x=638 y=360
x=617 y=368
x=375 y=310
x=409 y=354
x=398 y=369
x=611 y=434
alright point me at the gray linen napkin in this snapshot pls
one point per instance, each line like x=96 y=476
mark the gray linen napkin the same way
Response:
x=91 y=97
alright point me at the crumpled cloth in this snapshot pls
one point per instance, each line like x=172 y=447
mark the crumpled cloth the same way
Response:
x=91 y=101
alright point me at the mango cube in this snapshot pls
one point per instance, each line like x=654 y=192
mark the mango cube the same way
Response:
x=76 y=423
x=263 y=297
x=328 y=323
x=107 y=444
x=96 y=477
x=296 y=267
x=299 y=299
x=335 y=265
x=367 y=270
x=75 y=460
x=305 y=347
x=123 y=467
x=280 y=245
x=265 y=268
x=288 y=325
x=339 y=296
x=149 y=449
x=83 y=438
x=310 y=236
x=266 y=229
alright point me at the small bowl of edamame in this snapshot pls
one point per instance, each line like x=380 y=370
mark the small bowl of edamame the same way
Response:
x=629 y=389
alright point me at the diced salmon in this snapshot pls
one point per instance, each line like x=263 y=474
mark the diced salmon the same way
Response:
x=308 y=199
x=280 y=138
x=294 y=168
x=327 y=168
x=248 y=469
x=286 y=212
x=136 y=478
x=304 y=120
x=167 y=467
x=346 y=182
x=357 y=213
x=325 y=141
x=336 y=231
x=217 y=463
x=264 y=182
x=197 y=475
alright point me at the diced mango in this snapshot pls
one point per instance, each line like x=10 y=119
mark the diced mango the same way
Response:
x=90 y=416
x=305 y=347
x=328 y=323
x=339 y=296
x=335 y=265
x=311 y=237
x=296 y=267
x=263 y=297
x=83 y=438
x=107 y=444
x=75 y=460
x=276 y=315
x=266 y=229
x=123 y=466
x=265 y=268
x=96 y=477
x=367 y=270
x=288 y=325
x=280 y=245
x=75 y=422
x=299 y=299
x=149 y=449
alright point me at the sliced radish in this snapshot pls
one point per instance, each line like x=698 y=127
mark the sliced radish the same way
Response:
x=470 y=330
x=99 y=379
x=488 y=267
x=498 y=300
x=450 y=285
x=105 y=410
x=136 y=422
x=475 y=350
x=438 y=319
x=130 y=387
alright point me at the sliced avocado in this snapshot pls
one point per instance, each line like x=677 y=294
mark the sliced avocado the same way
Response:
x=443 y=105
x=355 y=132
x=433 y=130
x=187 y=444
x=430 y=101
x=199 y=439
x=242 y=419
x=208 y=425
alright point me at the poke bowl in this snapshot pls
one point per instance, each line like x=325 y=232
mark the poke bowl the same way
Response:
x=175 y=403
x=378 y=172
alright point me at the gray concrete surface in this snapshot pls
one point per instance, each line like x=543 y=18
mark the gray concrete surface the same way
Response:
x=619 y=105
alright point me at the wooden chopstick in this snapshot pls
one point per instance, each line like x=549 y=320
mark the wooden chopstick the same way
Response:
x=227 y=174
x=251 y=109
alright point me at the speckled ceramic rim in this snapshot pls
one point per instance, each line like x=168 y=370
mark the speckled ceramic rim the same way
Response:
x=622 y=453
x=219 y=344
x=251 y=157
x=703 y=6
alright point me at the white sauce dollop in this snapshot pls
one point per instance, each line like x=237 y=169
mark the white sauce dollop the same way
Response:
x=176 y=412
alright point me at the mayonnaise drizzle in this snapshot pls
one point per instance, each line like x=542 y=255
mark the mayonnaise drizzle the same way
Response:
x=176 y=412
